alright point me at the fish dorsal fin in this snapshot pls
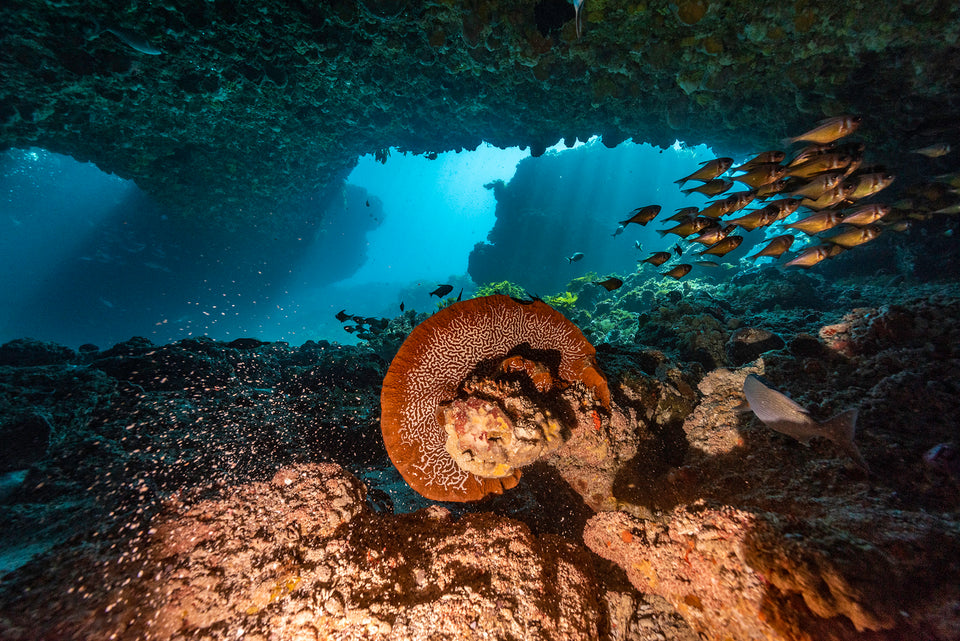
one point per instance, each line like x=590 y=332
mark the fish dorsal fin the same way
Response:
x=768 y=404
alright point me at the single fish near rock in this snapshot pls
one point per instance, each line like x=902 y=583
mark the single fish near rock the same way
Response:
x=828 y=130
x=780 y=413
x=442 y=291
x=642 y=215
x=610 y=284
x=575 y=257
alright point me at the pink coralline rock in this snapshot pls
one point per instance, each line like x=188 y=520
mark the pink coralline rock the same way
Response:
x=737 y=574
x=302 y=557
x=695 y=562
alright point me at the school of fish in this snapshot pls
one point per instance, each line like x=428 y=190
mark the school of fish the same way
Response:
x=825 y=180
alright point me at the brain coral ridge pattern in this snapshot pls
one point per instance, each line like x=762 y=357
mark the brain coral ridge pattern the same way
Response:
x=437 y=356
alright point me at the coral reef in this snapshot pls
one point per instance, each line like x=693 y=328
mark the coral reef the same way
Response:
x=181 y=489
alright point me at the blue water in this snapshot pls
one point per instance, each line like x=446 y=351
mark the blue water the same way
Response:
x=86 y=257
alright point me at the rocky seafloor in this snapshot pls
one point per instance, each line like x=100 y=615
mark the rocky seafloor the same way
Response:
x=216 y=490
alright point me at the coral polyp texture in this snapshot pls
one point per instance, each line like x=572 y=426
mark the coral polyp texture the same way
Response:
x=483 y=388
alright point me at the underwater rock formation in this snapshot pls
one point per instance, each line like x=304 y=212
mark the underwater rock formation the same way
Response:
x=247 y=107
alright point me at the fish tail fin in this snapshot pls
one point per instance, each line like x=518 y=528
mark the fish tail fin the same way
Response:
x=841 y=429
x=786 y=142
x=663 y=232
x=680 y=182
x=688 y=191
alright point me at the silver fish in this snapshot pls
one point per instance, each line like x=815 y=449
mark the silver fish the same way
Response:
x=780 y=413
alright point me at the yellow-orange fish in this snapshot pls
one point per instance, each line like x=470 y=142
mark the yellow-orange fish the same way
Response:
x=828 y=130
x=818 y=185
x=818 y=222
x=820 y=164
x=609 y=284
x=776 y=247
x=710 y=170
x=679 y=271
x=711 y=187
x=761 y=175
x=854 y=236
x=785 y=206
x=831 y=197
x=812 y=256
x=724 y=247
x=758 y=218
x=865 y=215
x=714 y=235
x=869 y=184
x=771 y=189
x=767 y=157
x=809 y=152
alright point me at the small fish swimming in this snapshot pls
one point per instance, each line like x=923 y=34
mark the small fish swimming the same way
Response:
x=778 y=412
x=642 y=215
x=688 y=228
x=819 y=164
x=575 y=257
x=869 y=184
x=714 y=235
x=724 y=247
x=678 y=250
x=342 y=315
x=619 y=230
x=865 y=215
x=810 y=257
x=761 y=175
x=776 y=247
x=933 y=151
x=855 y=236
x=711 y=187
x=766 y=158
x=679 y=271
x=610 y=284
x=442 y=291
x=657 y=258
x=818 y=185
x=828 y=130
x=831 y=197
x=818 y=222
x=684 y=213
x=758 y=218
x=401 y=306
x=710 y=170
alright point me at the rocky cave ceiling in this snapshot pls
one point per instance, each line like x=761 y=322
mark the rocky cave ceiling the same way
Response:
x=250 y=106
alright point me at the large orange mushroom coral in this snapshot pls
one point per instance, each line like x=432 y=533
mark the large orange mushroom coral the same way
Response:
x=482 y=388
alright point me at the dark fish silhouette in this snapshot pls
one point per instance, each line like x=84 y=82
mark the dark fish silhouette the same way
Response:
x=401 y=306
x=679 y=271
x=610 y=284
x=642 y=215
x=342 y=315
x=678 y=250
x=657 y=258
x=442 y=291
